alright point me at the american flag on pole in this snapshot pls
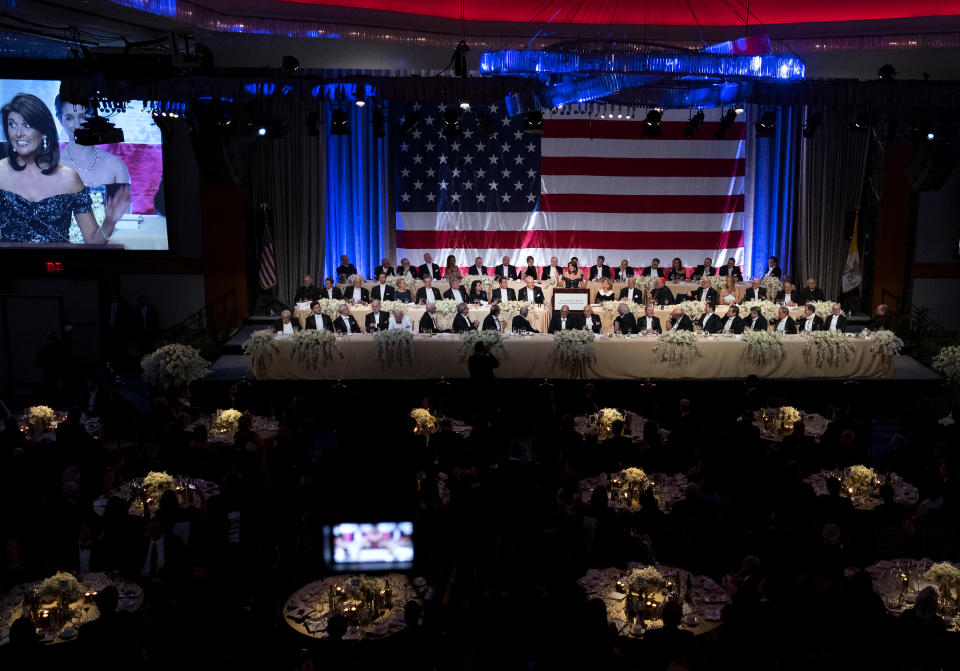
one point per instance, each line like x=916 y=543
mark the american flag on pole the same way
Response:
x=589 y=186
x=268 y=264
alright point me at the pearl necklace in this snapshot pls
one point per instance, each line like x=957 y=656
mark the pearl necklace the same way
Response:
x=96 y=158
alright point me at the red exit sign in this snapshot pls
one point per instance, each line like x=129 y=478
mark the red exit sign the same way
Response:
x=56 y=267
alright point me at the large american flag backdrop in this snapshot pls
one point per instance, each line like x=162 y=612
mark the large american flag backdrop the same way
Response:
x=588 y=186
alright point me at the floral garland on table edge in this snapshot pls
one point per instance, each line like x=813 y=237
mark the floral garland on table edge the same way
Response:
x=426 y=422
x=605 y=419
x=156 y=483
x=49 y=588
x=469 y=340
x=822 y=309
x=174 y=366
x=330 y=306
x=613 y=307
x=645 y=581
x=394 y=347
x=226 y=421
x=762 y=348
x=678 y=347
x=946 y=577
x=40 y=416
x=693 y=309
x=485 y=280
x=767 y=309
x=947 y=363
x=858 y=478
x=772 y=285
x=573 y=349
x=510 y=309
x=313 y=348
x=886 y=344
x=829 y=348
x=262 y=345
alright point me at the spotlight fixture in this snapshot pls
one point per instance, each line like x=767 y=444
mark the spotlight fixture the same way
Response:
x=450 y=125
x=460 y=59
x=651 y=125
x=361 y=98
x=887 y=72
x=488 y=126
x=860 y=123
x=767 y=126
x=533 y=123
x=693 y=125
x=289 y=64
x=813 y=123
x=726 y=121
x=379 y=123
x=410 y=122
x=268 y=128
x=464 y=105
x=97 y=130
x=339 y=122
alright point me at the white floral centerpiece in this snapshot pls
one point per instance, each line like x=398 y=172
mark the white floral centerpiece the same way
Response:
x=718 y=282
x=859 y=479
x=510 y=309
x=772 y=285
x=426 y=423
x=469 y=340
x=637 y=482
x=156 y=483
x=692 y=309
x=822 y=309
x=767 y=309
x=226 y=421
x=645 y=283
x=330 y=306
x=613 y=307
x=573 y=349
x=886 y=344
x=762 y=348
x=394 y=347
x=390 y=306
x=393 y=280
x=485 y=280
x=827 y=348
x=262 y=345
x=789 y=416
x=313 y=348
x=677 y=347
x=947 y=363
x=447 y=307
x=57 y=585
x=946 y=577
x=173 y=366
x=40 y=416
x=646 y=581
x=605 y=419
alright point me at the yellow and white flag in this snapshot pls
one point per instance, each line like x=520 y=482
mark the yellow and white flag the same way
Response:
x=852 y=276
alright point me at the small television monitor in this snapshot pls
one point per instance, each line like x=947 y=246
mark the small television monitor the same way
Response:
x=369 y=546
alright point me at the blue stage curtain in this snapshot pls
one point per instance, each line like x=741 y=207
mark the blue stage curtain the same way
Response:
x=775 y=179
x=357 y=212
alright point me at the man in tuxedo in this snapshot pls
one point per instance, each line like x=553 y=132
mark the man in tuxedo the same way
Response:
x=377 y=319
x=428 y=268
x=755 y=292
x=357 y=293
x=503 y=292
x=704 y=270
x=773 y=269
x=811 y=292
x=456 y=292
x=881 y=319
x=704 y=292
x=492 y=321
x=661 y=294
x=477 y=268
x=505 y=270
x=756 y=321
x=649 y=323
x=553 y=271
x=318 y=320
x=330 y=290
x=788 y=295
x=400 y=321
x=590 y=321
x=653 y=269
x=383 y=291
x=406 y=270
x=521 y=323
x=531 y=292
x=601 y=270
x=345 y=269
x=836 y=321
x=709 y=321
x=345 y=323
x=384 y=268
x=161 y=555
x=680 y=321
x=308 y=292
x=732 y=323
x=428 y=322
x=426 y=293
x=562 y=321
x=810 y=321
x=624 y=270
x=732 y=269
x=785 y=324
x=462 y=321
x=625 y=322
x=287 y=324
x=146 y=321
x=531 y=269
x=630 y=292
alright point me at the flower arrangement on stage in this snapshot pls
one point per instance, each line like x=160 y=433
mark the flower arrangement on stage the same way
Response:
x=645 y=283
x=492 y=339
x=772 y=285
x=392 y=281
x=946 y=577
x=767 y=309
x=40 y=416
x=390 y=306
x=262 y=345
x=646 y=581
x=156 y=483
x=822 y=309
x=605 y=419
x=573 y=349
x=762 y=348
x=947 y=363
x=426 y=422
x=692 y=309
x=226 y=421
x=828 y=348
x=613 y=307
x=858 y=479
x=677 y=347
x=174 y=366
x=447 y=307
x=394 y=347
x=886 y=344
x=330 y=306
x=718 y=282
x=313 y=348
x=510 y=309
x=57 y=585
x=485 y=280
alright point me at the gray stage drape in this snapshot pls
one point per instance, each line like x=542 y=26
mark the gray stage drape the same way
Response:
x=832 y=165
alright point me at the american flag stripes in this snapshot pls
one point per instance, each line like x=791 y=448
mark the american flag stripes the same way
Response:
x=268 y=263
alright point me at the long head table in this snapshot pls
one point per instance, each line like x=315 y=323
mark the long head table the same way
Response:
x=530 y=357
x=539 y=318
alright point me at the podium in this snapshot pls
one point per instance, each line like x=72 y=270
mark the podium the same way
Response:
x=575 y=299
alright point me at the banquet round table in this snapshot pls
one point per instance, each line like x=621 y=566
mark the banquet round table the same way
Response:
x=265 y=427
x=92 y=425
x=815 y=425
x=903 y=492
x=667 y=489
x=899 y=581
x=701 y=610
x=307 y=611
x=82 y=610
x=188 y=493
